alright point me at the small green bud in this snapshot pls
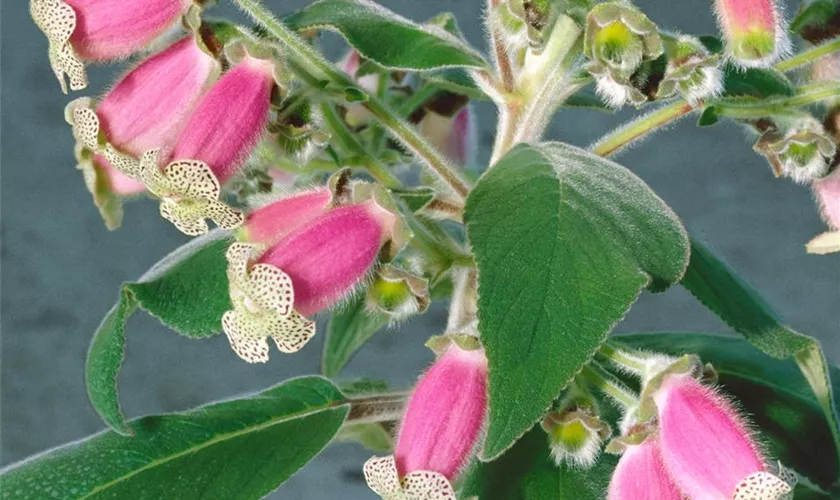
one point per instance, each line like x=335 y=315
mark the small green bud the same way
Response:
x=575 y=436
x=692 y=71
x=398 y=293
x=802 y=153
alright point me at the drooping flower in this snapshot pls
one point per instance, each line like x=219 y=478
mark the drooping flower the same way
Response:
x=214 y=144
x=706 y=446
x=145 y=110
x=100 y=30
x=641 y=474
x=453 y=136
x=312 y=268
x=268 y=224
x=440 y=428
x=755 y=32
x=619 y=38
x=827 y=192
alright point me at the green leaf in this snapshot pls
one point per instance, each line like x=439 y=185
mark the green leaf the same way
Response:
x=564 y=241
x=740 y=306
x=415 y=199
x=527 y=472
x=187 y=291
x=348 y=329
x=242 y=449
x=409 y=46
x=816 y=20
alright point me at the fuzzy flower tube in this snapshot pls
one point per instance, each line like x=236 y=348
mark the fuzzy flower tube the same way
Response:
x=145 y=110
x=440 y=428
x=311 y=268
x=100 y=30
x=641 y=474
x=755 y=32
x=271 y=222
x=707 y=448
x=827 y=192
x=221 y=133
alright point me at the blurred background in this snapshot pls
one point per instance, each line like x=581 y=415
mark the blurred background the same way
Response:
x=61 y=269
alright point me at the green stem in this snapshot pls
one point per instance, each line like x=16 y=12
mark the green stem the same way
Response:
x=308 y=56
x=621 y=357
x=809 y=56
x=609 y=385
x=379 y=408
x=806 y=95
x=349 y=142
x=419 y=98
x=636 y=129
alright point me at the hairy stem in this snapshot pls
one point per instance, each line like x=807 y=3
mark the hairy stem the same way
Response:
x=640 y=127
x=809 y=94
x=809 y=56
x=622 y=358
x=402 y=131
x=609 y=385
x=380 y=408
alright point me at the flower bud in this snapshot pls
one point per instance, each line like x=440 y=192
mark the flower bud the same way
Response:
x=641 y=473
x=270 y=223
x=619 y=39
x=802 y=153
x=398 y=293
x=145 y=110
x=575 y=436
x=452 y=136
x=706 y=445
x=100 y=30
x=441 y=426
x=756 y=35
x=692 y=71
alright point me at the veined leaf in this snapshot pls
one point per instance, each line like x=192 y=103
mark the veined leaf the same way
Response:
x=409 y=46
x=187 y=291
x=564 y=241
x=239 y=449
x=740 y=306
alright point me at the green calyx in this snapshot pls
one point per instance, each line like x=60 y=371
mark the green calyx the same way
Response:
x=619 y=38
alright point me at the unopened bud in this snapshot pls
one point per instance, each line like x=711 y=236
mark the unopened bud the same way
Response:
x=575 y=436
x=802 y=153
x=619 y=39
x=692 y=71
x=755 y=32
x=398 y=293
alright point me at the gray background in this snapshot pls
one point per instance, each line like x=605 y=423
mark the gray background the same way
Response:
x=61 y=269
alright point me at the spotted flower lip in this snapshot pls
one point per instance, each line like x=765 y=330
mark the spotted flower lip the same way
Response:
x=145 y=110
x=706 y=447
x=100 y=30
x=755 y=31
x=382 y=477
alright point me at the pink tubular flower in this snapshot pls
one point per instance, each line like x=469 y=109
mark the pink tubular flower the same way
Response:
x=444 y=415
x=454 y=137
x=269 y=223
x=230 y=119
x=754 y=29
x=327 y=257
x=100 y=30
x=706 y=446
x=308 y=270
x=145 y=110
x=440 y=428
x=827 y=191
x=641 y=474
